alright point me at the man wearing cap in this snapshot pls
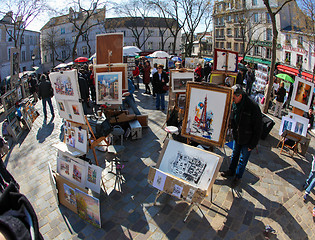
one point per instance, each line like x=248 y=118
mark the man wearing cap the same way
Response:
x=246 y=123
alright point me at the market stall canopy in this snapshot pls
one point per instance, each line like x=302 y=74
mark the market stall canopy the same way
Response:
x=61 y=65
x=208 y=59
x=131 y=51
x=81 y=60
x=159 y=54
x=285 y=77
x=176 y=59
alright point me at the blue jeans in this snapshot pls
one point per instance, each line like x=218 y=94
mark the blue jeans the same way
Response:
x=44 y=101
x=131 y=103
x=310 y=182
x=160 y=100
x=239 y=159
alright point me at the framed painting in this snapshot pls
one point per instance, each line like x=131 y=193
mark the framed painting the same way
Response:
x=191 y=164
x=159 y=61
x=287 y=123
x=180 y=79
x=302 y=94
x=115 y=68
x=207 y=112
x=225 y=60
x=109 y=48
x=65 y=85
x=301 y=124
x=108 y=88
x=217 y=78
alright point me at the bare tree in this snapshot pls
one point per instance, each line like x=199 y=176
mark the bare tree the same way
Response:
x=17 y=15
x=50 y=42
x=85 y=18
x=136 y=14
x=274 y=46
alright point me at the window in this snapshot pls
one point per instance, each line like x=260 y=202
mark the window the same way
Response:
x=242 y=48
x=151 y=33
x=268 y=53
x=62 y=31
x=22 y=40
x=236 y=18
x=217 y=44
x=84 y=50
x=217 y=33
x=299 y=60
x=222 y=21
x=150 y=45
x=228 y=18
x=84 y=37
x=45 y=58
x=31 y=40
x=288 y=38
x=256 y=18
x=254 y=2
x=62 y=41
x=23 y=58
x=287 y=57
x=268 y=18
x=222 y=45
x=236 y=33
x=236 y=47
x=63 y=54
x=9 y=53
x=268 y=35
x=229 y=32
x=9 y=36
x=300 y=41
x=222 y=33
x=228 y=45
x=256 y=51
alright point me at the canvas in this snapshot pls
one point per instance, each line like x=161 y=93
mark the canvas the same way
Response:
x=286 y=124
x=180 y=79
x=93 y=178
x=191 y=164
x=207 y=111
x=81 y=139
x=108 y=88
x=302 y=94
x=64 y=166
x=88 y=208
x=78 y=174
x=160 y=61
x=301 y=124
x=69 y=195
x=65 y=85
x=118 y=67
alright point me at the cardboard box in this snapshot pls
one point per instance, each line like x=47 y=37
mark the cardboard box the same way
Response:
x=136 y=129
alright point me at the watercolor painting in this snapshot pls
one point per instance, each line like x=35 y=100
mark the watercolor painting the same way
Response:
x=69 y=194
x=302 y=94
x=109 y=88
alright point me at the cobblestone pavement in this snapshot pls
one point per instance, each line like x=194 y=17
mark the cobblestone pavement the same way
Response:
x=270 y=193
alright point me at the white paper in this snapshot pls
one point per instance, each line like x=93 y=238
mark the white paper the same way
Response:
x=190 y=194
x=78 y=174
x=301 y=124
x=286 y=124
x=64 y=167
x=159 y=180
x=76 y=113
x=177 y=192
x=81 y=139
x=93 y=177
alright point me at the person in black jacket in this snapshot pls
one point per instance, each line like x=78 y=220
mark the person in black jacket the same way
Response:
x=280 y=93
x=46 y=92
x=246 y=123
x=160 y=79
x=84 y=90
x=310 y=116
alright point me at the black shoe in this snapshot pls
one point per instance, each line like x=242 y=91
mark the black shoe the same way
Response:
x=157 y=108
x=236 y=181
x=227 y=173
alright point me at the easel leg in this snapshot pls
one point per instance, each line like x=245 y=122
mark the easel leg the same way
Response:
x=159 y=193
x=94 y=153
x=189 y=210
x=211 y=194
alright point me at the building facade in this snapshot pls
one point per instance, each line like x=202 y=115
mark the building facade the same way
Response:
x=58 y=35
x=29 y=48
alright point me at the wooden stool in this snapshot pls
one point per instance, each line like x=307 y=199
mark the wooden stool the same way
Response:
x=170 y=130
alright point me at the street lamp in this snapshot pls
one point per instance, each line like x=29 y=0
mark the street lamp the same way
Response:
x=33 y=58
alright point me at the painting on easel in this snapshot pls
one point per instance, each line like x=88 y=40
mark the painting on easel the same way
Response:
x=302 y=94
x=109 y=88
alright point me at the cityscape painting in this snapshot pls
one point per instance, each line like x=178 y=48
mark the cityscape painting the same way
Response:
x=109 y=88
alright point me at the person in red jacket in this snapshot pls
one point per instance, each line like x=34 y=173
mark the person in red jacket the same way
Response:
x=146 y=76
x=198 y=73
x=136 y=76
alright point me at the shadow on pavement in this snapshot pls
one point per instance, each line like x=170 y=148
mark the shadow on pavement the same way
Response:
x=44 y=132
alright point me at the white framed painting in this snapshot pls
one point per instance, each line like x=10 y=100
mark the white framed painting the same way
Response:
x=108 y=88
x=93 y=178
x=64 y=166
x=180 y=79
x=225 y=60
x=301 y=124
x=76 y=113
x=207 y=112
x=78 y=174
x=287 y=123
x=193 y=165
x=65 y=85
x=302 y=94
x=81 y=139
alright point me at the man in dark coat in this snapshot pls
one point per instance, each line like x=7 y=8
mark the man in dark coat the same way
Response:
x=250 y=79
x=84 y=90
x=33 y=86
x=160 y=79
x=46 y=92
x=280 y=93
x=246 y=123
x=310 y=116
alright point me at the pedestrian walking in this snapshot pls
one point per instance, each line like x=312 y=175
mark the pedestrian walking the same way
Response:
x=280 y=94
x=32 y=81
x=250 y=79
x=45 y=93
x=160 y=79
x=146 y=77
x=246 y=122
x=310 y=181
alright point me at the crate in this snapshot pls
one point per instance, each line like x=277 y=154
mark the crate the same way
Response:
x=135 y=129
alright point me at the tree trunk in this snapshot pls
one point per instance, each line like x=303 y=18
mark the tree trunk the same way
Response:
x=75 y=47
x=174 y=45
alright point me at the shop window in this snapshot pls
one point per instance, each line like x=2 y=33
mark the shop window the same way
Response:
x=288 y=57
x=268 y=53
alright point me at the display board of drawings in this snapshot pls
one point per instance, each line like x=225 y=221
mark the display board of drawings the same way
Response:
x=261 y=76
x=74 y=177
x=184 y=171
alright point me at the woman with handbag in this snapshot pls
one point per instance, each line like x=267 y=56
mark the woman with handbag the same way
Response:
x=160 y=79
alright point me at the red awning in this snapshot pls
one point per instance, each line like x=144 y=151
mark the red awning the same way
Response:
x=295 y=72
x=240 y=59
